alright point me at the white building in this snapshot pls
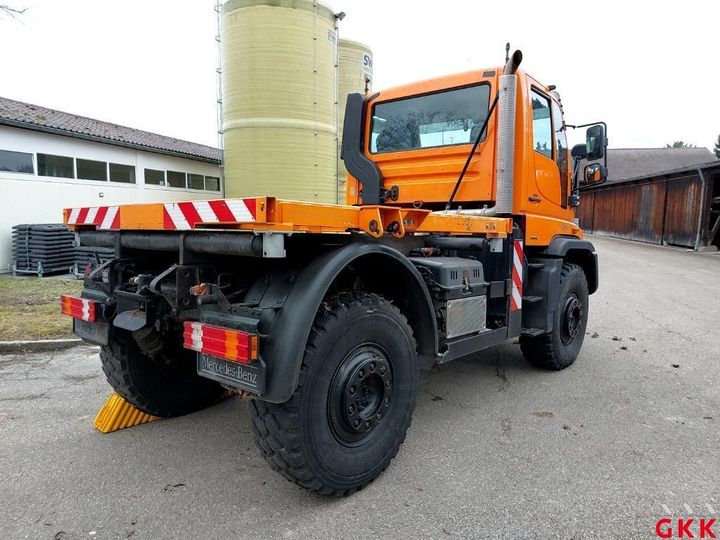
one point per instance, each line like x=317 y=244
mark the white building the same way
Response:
x=50 y=160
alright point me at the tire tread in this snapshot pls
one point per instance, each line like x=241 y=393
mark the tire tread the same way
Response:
x=541 y=351
x=116 y=359
x=275 y=424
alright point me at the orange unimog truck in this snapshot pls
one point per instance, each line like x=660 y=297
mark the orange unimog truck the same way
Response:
x=458 y=235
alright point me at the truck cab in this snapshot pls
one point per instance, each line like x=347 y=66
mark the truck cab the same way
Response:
x=418 y=138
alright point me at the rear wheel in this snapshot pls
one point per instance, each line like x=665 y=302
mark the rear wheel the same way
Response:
x=354 y=399
x=166 y=385
x=558 y=349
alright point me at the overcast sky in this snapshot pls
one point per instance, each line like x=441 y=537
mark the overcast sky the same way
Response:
x=648 y=68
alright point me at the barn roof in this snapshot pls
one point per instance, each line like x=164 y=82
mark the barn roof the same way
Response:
x=633 y=163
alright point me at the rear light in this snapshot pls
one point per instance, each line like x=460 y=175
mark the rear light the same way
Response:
x=78 y=308
x=233 y=345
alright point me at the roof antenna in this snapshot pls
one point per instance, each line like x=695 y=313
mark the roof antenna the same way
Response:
x=507 y=52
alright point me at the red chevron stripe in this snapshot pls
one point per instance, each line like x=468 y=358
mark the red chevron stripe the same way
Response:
x=188 y=210
x=222 y=211
x=168 y=224
x=101 y=213
x=250 y=203
x=116 y=222
x=82 y=215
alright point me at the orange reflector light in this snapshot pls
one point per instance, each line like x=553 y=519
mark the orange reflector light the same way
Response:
x=226 y=343
x=78 y=308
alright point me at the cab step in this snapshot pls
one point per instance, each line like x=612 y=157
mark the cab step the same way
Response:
x=532 y=332
x=532 y=299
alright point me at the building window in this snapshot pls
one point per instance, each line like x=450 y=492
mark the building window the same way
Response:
x=16 y=162
x=88 y=169
x=212 y=183
x=122 y=173
x=154 y=177
x=58 y=166
x=176 y=179
x=542 y=128
x=196 y=181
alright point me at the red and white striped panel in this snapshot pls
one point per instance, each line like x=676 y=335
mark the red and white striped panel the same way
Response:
x=517 y=276
x=186 y=215
x=103 y=217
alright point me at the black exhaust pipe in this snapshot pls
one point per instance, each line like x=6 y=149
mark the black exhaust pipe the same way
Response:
x=513 y=63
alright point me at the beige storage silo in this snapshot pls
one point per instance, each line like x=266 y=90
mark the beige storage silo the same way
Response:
x=355 y=64
x=279 y=90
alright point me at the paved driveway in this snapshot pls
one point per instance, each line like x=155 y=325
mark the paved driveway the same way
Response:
x=629 y=433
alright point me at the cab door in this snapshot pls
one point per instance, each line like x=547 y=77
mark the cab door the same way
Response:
x=547 y=174
x=550 y=151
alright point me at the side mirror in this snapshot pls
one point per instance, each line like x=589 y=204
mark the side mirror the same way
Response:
x=595 y=142
x=594 y=175
x=579 y=151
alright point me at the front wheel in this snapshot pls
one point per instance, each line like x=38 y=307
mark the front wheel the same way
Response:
x=558 y=349
x=354 y=399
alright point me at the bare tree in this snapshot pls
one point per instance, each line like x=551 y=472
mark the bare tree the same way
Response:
x=12 y=11
x=680 y=144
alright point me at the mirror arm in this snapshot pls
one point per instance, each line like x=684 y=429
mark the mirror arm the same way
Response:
x=576 y=126
x=574 y=198
x=576 y=166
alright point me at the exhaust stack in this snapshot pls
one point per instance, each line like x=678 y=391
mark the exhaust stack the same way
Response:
x=512 y=64
x=507 y=105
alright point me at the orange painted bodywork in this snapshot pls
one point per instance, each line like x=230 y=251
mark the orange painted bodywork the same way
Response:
x=141 y=216
x=277 y=215
x=425 y=177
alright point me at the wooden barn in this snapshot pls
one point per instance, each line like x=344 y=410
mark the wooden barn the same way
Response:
x=658 y=195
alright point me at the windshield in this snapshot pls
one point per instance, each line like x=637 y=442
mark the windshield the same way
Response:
x=444 y=118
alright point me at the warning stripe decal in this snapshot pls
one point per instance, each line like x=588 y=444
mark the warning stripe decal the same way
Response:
x=180 y=216
x=103 y=217
x=186 y=215
x=517 y=276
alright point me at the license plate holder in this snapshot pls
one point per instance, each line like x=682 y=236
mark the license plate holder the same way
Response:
x=250 y=377
x=96 y=332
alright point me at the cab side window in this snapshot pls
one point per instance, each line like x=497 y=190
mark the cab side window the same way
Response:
x=542 y=125
x=560 y=140
x=561 y=158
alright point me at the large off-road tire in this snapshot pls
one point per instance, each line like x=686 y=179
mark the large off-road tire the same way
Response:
x=354 y=400
x=156 y=386
x=558 y=349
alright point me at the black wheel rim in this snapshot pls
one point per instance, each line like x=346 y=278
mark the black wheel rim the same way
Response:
x=361 y=394
x=571 y=318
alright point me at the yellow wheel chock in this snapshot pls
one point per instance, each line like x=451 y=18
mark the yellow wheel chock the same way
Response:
x=119 y=414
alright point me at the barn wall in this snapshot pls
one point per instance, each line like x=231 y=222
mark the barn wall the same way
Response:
x=682 y=219
x=584 y=212
x=658 y=212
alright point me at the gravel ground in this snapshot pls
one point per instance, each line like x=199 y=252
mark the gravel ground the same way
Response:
x=497 y=449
